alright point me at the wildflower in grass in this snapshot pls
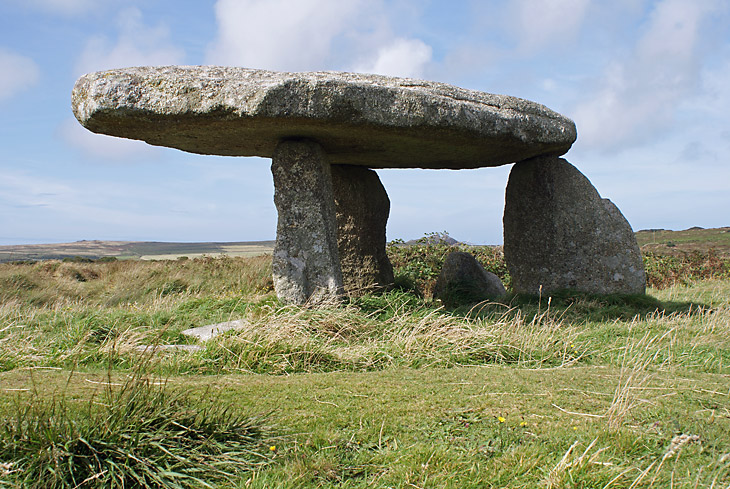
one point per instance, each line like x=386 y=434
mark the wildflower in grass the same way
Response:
x=501 y=419
x=272 y=448
x=523 y=423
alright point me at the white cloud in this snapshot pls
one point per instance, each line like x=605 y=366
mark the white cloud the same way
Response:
x=715 y=99
x=280 y=34
x=136 y=45
x=102 y=147
x=22 y=190
x=402 y=57
x=16 y=73
x=65 y=209
x=353 y=35
x=639 y=96
x=673 y=30
x=171 y=202
x=543 y=22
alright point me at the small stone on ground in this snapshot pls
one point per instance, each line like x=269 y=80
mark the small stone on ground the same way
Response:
x=204 y=333
x=463 y=280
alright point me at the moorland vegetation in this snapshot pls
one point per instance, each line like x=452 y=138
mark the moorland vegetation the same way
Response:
x=383 y=390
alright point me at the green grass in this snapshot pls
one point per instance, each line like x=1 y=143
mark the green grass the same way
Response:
x=123 y=250
x=444 y=428
x=388 y=390
x=687 y=241
x=135 y=434
x=418 y=266
x=714 y=236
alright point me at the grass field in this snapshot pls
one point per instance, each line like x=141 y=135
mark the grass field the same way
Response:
x=661 y=241
x=124 y=250
x=386 y=390
x=687 y=241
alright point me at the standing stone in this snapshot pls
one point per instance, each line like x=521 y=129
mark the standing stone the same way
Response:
x=560 y=234
x=362 y=208
x=463 y=280
x=306 y=264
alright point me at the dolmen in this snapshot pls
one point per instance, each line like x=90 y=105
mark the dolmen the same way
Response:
x=325 y=133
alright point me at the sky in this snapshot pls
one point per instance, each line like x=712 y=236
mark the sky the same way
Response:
x=646 y=82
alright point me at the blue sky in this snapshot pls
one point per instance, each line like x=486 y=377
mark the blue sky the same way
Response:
x=645 y=81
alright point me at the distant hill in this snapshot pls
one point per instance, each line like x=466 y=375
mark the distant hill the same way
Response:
x=693 y=239
x=144 y=250
x=657 y=240
x=434 y=238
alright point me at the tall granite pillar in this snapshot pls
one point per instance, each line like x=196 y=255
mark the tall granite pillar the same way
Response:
x=560 y=234
x=306 y=262
x=362 y=208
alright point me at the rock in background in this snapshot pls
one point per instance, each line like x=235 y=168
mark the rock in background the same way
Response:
x=362 y=207
x=560 y=234
x=463 y=280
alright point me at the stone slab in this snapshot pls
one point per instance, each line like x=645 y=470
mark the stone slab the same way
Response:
x=204 y=333
x=369 y=120
x=160 y=348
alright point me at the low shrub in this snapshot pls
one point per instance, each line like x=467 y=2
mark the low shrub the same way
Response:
x=663 y=271
x=420 y=264
x=142 y=434
x=77 y=259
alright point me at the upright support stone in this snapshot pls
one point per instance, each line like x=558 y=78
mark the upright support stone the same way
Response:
x=362 y=207
x=560 y=234
x=306 y=263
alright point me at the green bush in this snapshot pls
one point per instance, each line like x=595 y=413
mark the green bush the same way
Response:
x=420 y=264
x=663 y=271
x=77 y=259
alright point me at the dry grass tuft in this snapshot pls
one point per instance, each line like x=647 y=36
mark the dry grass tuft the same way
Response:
x=572 y=463
x=335 y=336
x=638 y=365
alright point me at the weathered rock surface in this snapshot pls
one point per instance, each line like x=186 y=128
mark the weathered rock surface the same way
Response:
x=368 y=120
x=205 y=333
x=463 y=280
x=306 y=264
x=560 y=234
x=362 y=207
